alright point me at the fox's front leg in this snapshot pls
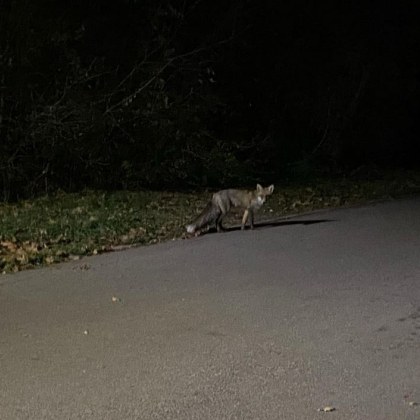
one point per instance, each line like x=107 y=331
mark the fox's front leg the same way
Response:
x=244 y=219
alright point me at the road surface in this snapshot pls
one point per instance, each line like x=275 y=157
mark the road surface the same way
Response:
x=322 y=310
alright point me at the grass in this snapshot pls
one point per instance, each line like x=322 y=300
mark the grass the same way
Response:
x=68 y=226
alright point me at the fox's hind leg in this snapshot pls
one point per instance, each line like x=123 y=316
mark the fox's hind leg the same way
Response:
x=223 y=211
x=219 y=226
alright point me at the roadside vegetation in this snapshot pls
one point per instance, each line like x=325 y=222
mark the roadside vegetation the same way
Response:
x=192 y=97
x=65 y=226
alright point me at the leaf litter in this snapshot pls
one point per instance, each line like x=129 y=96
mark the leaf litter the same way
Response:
x=66 y=227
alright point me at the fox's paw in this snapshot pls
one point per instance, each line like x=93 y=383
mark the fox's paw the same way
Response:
x=194 y=234
x=190 y=229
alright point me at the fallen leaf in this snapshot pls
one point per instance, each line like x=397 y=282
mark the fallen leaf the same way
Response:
x=31 y=247
x=327 y=409
x=49 y=259
x=77 y=210
x=10 y=246
x=22 y=257
x=61 y=253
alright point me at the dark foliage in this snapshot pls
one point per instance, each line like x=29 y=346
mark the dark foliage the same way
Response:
x=164 y=94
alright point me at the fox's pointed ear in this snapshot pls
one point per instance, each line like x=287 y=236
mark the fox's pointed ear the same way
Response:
x=270 y=189
x=259 y=188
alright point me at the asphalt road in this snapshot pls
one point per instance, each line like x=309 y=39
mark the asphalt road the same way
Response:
x=276 y=323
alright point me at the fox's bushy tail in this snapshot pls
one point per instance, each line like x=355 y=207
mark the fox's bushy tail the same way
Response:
x=208 y=216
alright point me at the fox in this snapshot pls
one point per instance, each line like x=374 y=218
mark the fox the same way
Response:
x=222 y=202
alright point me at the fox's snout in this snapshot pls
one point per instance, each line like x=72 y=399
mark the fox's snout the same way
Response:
x=260 y=200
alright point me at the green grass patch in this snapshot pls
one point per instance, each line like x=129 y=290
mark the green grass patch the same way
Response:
x=68 y=226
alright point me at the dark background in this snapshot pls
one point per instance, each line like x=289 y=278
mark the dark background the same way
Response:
x=191 y=94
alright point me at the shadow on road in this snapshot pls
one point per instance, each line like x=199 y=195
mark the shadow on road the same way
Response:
x=275 y=223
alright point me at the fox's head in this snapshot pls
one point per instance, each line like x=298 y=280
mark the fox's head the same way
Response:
x=263 y=192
